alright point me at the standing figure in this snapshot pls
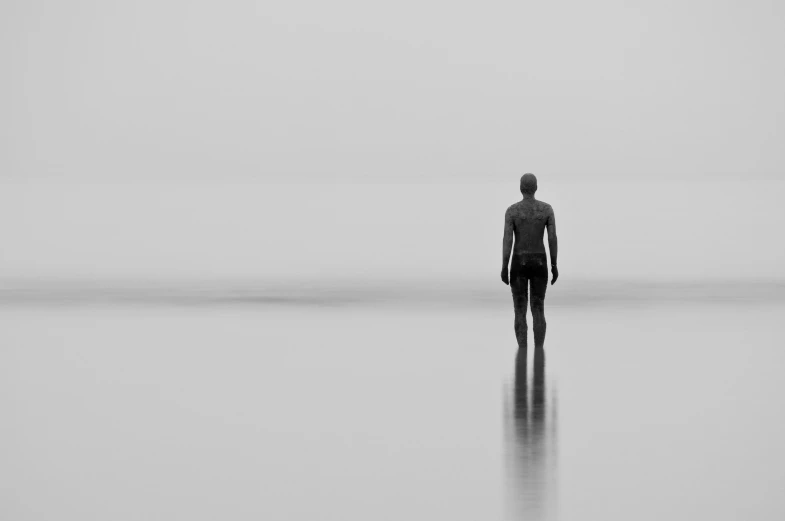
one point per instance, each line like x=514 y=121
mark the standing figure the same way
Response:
x=526 y=221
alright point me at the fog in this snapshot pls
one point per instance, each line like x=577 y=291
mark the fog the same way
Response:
x=300 y=139
x=662 y=231
x=420 y=90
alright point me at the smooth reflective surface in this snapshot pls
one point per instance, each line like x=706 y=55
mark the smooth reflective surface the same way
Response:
x=649 y=412
x=533 y=441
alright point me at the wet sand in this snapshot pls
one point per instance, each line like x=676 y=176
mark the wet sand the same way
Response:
x=391 y=412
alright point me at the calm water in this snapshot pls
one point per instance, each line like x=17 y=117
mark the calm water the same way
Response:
x=353 y=413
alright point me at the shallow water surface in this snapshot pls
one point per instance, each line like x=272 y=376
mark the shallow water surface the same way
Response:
x=158 y=413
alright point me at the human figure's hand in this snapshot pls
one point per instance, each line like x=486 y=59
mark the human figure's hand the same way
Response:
x=505 y=276
x=555 y=272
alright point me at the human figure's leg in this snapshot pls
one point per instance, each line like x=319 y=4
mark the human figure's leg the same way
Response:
x=520 y=299
x=538 y=286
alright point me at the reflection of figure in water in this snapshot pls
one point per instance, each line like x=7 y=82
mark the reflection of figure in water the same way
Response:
x=526 y=221
x=534 y=439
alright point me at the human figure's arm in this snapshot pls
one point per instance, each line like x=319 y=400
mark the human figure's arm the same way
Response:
x=507 y=246
x=553 y=245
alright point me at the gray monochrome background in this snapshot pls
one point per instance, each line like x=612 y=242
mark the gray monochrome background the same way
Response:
x=250 y=257
x=349 y=141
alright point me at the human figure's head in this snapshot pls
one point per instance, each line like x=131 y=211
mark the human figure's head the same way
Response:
x=528 y=184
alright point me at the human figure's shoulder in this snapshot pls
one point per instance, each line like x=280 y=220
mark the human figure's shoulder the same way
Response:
x=546 y=211
x=514 y=209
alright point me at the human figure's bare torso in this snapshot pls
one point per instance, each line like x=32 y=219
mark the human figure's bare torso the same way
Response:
x=528 y=219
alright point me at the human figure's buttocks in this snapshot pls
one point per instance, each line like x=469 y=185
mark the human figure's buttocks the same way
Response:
x=525 y=223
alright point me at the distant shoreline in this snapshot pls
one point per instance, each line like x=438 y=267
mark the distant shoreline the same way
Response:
x=585 y=293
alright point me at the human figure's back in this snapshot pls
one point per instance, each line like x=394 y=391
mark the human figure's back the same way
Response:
x=529 y=219
x=525 y=222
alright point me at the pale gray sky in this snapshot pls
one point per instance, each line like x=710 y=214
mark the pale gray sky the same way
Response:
x=168 y=138
x=411 y=89
x=644 y=230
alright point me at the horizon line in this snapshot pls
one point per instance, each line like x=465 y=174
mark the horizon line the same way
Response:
x=343 y=291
